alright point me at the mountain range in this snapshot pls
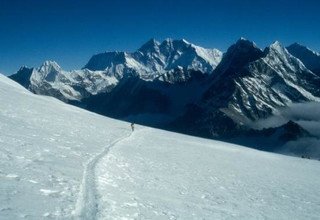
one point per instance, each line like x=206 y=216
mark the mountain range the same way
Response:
x=105 y=70
x=182 y=87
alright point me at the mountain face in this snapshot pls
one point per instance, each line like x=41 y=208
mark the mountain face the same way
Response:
x=172 y=61
x=247 y=85
x=150 y=102
x=182 y=87
x=311 y=59
x=51 y=79
x=23 y=76
x=155 y=58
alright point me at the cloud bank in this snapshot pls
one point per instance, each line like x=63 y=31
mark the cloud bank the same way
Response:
x=307 y=115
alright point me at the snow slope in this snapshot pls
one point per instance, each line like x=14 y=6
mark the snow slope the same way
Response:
x=45 y=146
x=155 y=174
x=61 y=162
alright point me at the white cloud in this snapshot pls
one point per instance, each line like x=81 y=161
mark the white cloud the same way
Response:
x=307 y=115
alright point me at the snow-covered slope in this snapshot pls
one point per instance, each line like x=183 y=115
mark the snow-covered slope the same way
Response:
x=159 y=175
x=44 y=147
x=61 y=162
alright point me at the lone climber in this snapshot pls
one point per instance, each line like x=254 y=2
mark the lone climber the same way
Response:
x=132 y=126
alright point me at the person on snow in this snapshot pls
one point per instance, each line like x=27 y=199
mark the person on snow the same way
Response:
x=132 y=126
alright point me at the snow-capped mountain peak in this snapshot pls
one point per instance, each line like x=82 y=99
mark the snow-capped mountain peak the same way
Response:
x=276 y=46
x=47 y=71
x=49 y=65
x=244 y=41
x=154 y=58
x=238 y=55
x=150 y=46
x=279 y=56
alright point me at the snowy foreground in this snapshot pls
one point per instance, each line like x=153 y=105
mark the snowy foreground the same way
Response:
x=61 y=162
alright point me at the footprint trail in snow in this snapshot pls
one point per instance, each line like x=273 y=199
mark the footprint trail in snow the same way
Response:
x=86 y=206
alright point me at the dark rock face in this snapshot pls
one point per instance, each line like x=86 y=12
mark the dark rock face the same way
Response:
x=133 y=96
x=236 y=58
x=309 y=58
x=104 y=60
x=23 y=76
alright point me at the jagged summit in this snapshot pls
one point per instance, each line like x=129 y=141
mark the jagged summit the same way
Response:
x=243 y=40
x=172 y=44
x=276 y=45
x=49 y=66
x=239 y=54
x=171 y=40
x=22 y=76
x=151 y=45
x=243 y=44
x=154 y=58
x=276 y=49
x=279 y=57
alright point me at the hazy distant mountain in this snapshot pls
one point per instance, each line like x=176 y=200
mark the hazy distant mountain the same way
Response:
x=310 y=59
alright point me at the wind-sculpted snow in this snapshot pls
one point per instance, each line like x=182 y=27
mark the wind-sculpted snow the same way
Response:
x=61 y=162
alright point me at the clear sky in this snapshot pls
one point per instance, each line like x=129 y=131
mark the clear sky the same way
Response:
x=71 y=31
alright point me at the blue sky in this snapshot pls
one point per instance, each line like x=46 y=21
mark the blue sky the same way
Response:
x=71 y=31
